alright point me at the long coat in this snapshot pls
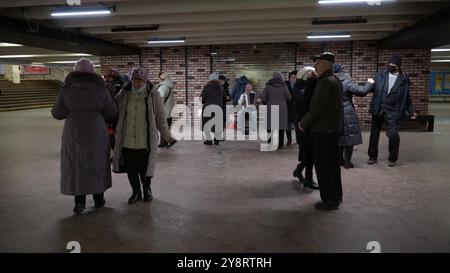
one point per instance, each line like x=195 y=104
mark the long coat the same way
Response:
x=352 y=132
x=165 y=89
x=276 y=93
x=84 y=103
x=212 y=94
x=291 y=104
x=156 y=121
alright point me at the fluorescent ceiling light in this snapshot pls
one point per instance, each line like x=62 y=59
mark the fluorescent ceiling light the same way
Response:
x=324 y=2
x=337 y=36
x=80 y=12
x=168 y=41
x=9 y=45
x=44 y=55
x=440 y=61
x=65 y=62
x=440 y=49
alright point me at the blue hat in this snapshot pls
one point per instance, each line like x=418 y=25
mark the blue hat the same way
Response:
x=397 y=60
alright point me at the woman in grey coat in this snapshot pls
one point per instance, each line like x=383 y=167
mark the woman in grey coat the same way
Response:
x=84 y=103
x=141 y=116
x=276 y=93
x=352 y=132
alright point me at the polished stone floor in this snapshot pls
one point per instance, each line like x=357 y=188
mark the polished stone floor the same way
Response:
x=227 y=198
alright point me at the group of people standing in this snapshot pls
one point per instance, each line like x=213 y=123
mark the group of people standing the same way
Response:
x=133 y=109
x=317 y=101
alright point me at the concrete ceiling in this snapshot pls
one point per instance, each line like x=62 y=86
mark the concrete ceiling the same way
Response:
x=227 y=22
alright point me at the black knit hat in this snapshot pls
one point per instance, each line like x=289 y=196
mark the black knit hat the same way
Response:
x=293 y=73
x=397 y=60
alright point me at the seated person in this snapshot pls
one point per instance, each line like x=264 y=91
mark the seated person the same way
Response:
x=247 y=100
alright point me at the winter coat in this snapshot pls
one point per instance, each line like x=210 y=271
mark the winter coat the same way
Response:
x=352 y=133
x=114 y=88
x=325 y=114
x=165 y=89
x=156 y=121
x=239 y=89
x=398 y=100
x=212 y=94
x=276 y=93
x=291 y=103
x=84 y=103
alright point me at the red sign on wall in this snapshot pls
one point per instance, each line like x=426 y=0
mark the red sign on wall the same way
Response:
x=34 y=70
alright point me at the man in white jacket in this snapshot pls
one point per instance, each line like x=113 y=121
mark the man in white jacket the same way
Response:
x=248 y=100
x=165 y=89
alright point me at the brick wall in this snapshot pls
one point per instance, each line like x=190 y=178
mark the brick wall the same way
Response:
x=361 y=59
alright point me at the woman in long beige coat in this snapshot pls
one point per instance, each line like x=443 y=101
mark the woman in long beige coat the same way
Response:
x=141 y=116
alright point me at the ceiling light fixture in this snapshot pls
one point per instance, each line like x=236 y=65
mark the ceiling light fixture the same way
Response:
x=328 y=36
x=44 y=55
x=166 y=41
x=9 y=45
x=370 y=2
x=440 y=49
x=69 y=12
x=440 y=61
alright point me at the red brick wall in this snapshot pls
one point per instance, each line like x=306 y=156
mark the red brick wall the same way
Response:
x=361 y=59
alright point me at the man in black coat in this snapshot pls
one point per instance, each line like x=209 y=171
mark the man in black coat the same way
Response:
x=290 y=84
x=325 y=120
x=390 y=101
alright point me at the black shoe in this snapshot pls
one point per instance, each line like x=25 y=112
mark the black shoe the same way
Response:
x=79 y=208
x=135 y=197
x=162 y=145
x=330 y=205
x=216 y=142
x=298 y=173
x=100 y=204
x=208 y=142
x=148 y=194
x=348 y=165
x=311 y=184
x=372 y=161
x=171 y=143
x=392 y=163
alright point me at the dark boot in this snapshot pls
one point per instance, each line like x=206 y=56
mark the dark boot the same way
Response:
x=348 y=152
x=80 y=204
x=147 y=190
x=99 y=200
x=135 y=196
x=298 y=173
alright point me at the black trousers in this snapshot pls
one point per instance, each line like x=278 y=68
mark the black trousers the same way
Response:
x=392 y=126
x=328 y=172
x=136 y=161
x=305 y=152
x=81 y=199
x=345 y=154
x=289 y=131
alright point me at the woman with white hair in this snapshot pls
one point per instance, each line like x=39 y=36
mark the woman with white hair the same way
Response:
x=84 y=102
x=277 y=94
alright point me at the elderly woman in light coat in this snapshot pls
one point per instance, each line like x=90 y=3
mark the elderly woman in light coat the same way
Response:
x=84 y=103
x=141 y=116
x=276 y=93
x=165 y=89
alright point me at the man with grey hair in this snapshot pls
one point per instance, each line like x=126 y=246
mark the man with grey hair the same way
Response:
x=325 y=121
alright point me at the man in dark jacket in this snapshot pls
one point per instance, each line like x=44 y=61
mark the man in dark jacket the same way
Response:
x=325 y=121
x=291 y=111
x=390 y=101
x=212 y=95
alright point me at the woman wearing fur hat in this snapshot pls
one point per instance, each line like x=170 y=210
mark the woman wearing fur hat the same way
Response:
x=165 y=89
x=141 y=116
x=84 y=103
